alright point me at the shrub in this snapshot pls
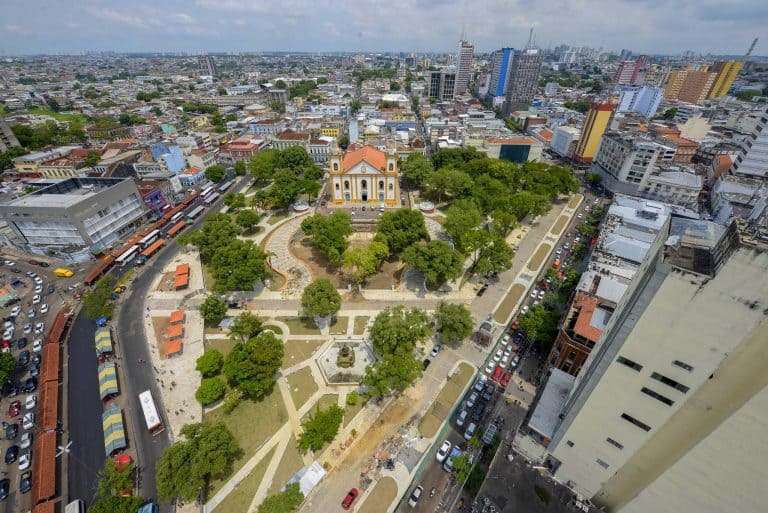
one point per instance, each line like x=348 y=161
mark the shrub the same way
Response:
x=210 y=391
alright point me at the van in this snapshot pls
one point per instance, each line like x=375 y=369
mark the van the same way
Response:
x=461 y=418
x=470 y=432
x=63 y=272
x=76 y=506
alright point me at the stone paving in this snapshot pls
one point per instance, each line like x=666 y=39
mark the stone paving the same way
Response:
x=283 y=261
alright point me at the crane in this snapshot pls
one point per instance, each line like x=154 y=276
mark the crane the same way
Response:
x=751 y=47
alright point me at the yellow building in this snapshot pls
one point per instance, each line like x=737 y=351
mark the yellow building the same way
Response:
x=330 y=131
x=675 y=81
x=727 y=71
x=592 y=132
x=364 y=175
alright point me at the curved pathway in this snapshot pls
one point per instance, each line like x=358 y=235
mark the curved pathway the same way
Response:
x=281 y=258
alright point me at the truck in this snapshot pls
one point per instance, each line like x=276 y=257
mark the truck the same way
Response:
x=63 y=272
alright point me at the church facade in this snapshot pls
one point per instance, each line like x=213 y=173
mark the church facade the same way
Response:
x=364 y=175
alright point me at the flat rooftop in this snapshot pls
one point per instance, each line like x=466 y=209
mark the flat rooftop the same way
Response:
x=547 y=413
x=65 y=193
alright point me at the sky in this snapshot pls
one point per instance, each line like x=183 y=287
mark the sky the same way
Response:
x=644 y=26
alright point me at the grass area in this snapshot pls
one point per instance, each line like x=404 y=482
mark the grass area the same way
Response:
x=443 y=404
x=575 y=200
x=324 y=402
x=339 y=326
x=360 y=323
x=559 y=225
x=290 y=463
x=351 y=411
x=208 y=281
x=59 y=116
x=534 y=264
x=239 y=499
x=222 y=344
x=302 y=386
x=296 y=351
x=380 y=497
x=505 y=308
x=277 y=330
x=277 y=217
x=212 y=330
x=300 y=326
x=251 y=423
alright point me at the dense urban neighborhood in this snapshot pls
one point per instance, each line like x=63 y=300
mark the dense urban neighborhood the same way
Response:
x=529 y=279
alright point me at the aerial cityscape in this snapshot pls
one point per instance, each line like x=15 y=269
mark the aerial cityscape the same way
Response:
x=402 y=257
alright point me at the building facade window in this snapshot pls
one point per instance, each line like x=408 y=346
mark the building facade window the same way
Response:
x=682 y=365
x=638 y=423
x=670 y=382
x=629 y=363
x=614 y=443
x=602 y=463
x=652 y=393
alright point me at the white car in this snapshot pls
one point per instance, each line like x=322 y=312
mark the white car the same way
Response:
x=26 y=440
x=415 y=496
x=489 y=368
x=534 y=294
x=497 y=356
x=27 y=329
x=580 y=216
x=31 y=313
x=504 y=361
x=37 y=345
x=35 y=299
x=542 y=293
x=44 y=308
x=558 y=252
x=8 y=334
x=443 y=451
x=24 y=461
x=9 y=263
x=16 y=310
x=39 y=328
x=38 y=280
x=8 y=324
x=31 y=402
x=38 y=289
x=435 y=350
x=524 y=309
x=29 y=421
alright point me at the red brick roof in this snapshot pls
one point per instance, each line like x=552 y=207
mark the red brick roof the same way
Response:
x=366 y=153
x=290 y=135
x=583 y=326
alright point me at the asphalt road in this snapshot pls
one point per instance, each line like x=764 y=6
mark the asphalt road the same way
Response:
x=87 y=453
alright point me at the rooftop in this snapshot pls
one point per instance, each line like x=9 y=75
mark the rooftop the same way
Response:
x=65 y=193
x=546 y=415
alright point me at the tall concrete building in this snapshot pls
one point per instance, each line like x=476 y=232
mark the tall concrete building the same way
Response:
x=689 y=84
x=207 y=65
x=523 y=79
x=631 y=72
x=7 y=137
x=592 y=131
x=442 y=84
x=501 y=64
x=464 y=62
x=752 y=162
x=642 y=100
x=669 y=410
x=727 y=71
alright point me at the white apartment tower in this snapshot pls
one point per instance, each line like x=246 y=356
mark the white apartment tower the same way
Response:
x=464 y=63
x=752 y=162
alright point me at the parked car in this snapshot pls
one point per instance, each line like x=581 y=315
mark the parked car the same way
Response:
x=26 y=439
x=11 y=454
x=448 y=464
x=480 y=383
x=25 y=482
x=22 y=342
x=490 y=432
x=35 y=299
x=37 y=345
x=477 y=413
x=29 y=421
x=14 y=409
x=30 y=385
x=27 y=329
x=350 y=498
x=472 y=399
x=24 y=461
x=30 y=402
x=461 y=417
x=31 y=313
x=5 y=484
x=12 y=431
x=23 y=359
x=44 y=308
x=15 y=311
x=443 y=451
x=415 y=496
x=470 y=431
x=435 y=350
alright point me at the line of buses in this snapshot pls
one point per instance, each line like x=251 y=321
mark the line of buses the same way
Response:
x=145 y=243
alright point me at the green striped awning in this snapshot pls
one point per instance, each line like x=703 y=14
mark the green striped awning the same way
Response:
x=108 y=380
x=103 y=341
x=114 y=431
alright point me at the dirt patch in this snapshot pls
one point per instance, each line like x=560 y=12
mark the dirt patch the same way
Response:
x=380 y=497
x=339 y=326
x=290 y=463
x=160 y=326
x=221 y=344
x=166 y=282
x=505 y=308
x=575 y=200
x=559 y=225
x=534 y=264
x=240 y=498
x=360 y=323
x=296 y=351
x=302 y=386
x=443 y=404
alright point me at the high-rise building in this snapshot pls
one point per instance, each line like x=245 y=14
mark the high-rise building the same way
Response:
x=207 y=65
x=442 y=84
x=689 y=85
x=523 y=79
x=592 y=131
x=7 y=137
x=727 y=71
x=631 y=72
x=668 y=412
x=642 y=100
x=464 y=61
x=501 y=63
x=752 y=162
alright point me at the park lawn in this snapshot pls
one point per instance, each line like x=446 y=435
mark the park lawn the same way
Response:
x=339 y=326
x=59 y=116
x=252 y=423
x=302 y=386
x=300 y=326
x=209 y=282
x=290 y=463
x=240 y=498
x=222 y=344
x=360 y=324
x=296 y=351
x=446 y=398
x=504 y=309
x=277 y=330
x=323 y=403
x=351 y=411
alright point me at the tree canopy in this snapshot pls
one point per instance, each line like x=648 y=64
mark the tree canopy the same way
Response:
x=210 y=390
x=252 y=366
x=360 y=263
x=213 y=310
x=453 y=322
x=215 y=173
x=292 y=172
x=210 y=363
x=284 y=502
x=415 y=169
x=320 y=299
x=320 y=428
x=112 y=487
x=436 y=260
x=328 y=233
x=98 y=301
x=239 y=265
x=245 y=327
x=398 y=330
x=462 y=222
x=400 y=228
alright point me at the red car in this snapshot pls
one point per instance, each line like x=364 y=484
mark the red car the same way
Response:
x=5 y=345
x=14 y=409
x=350 y=498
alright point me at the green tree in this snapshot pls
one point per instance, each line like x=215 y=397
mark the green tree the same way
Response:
x=247 y=219
x=397 y=330
x=343 y=141
x=527 y=203
x=540 y=325
x=392 y=374
x=329 y=233
x=581 y=105
x=360 y=263
x=456 y=157
x=446 y=181
x=210 y=390
x=353 y=398
x=115 y=481
x=213 y=310
x=503 y=222
x=277 y=106
x=492 y=253
x=116 y=504
x=462 y=466
x=98 y=301
x=7 y=366
x=92 y=158
x=462 y=222
x=252 y=366
x=234 y=200
x=240 y=168
x=206 y=452
x=400 y=228
x=355 y=106
x=215 y=173
x=217 y=231
x=320 y=428
x=263 y=165
x=453 y=322
x=239 y=266
x=436 y=260
x=670 y=113
x=320 y=299
x=209 y=364
x=594 y=178
x=415 y=169
x=284 y=502
x=245 y=327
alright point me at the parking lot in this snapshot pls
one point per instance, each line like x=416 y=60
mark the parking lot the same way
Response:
x=32 y=297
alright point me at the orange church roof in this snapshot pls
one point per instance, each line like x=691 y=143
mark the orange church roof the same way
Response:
x=369 y=154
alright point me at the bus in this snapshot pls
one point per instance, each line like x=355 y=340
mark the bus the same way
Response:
x=205 y=192
x=175 y=217
x=149 y=238
x=127 y=256
x=211 y=198
x=223 y=187
x=151 y=417
x=194 y=214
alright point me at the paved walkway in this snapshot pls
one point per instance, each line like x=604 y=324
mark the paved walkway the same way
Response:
x=283 y=261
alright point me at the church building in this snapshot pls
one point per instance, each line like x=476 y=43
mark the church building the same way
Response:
x=364 y=176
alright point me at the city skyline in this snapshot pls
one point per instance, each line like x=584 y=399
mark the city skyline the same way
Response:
x=651 y=26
